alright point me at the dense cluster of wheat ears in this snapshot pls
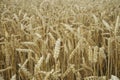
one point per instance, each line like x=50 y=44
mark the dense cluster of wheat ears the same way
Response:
x=59 y=39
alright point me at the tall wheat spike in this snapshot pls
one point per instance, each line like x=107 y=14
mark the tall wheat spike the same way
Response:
x=117 y=27
x=23 y=71
x=39 y=64
x=57 y=49
x=90 y=54
x=95 y=55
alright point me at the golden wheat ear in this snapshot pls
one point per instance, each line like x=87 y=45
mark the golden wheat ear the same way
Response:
x=57 y=49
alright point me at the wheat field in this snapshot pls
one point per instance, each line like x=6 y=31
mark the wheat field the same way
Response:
x=59 y=39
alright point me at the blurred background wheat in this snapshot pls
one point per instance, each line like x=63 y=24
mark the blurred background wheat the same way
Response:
x=59 y=39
